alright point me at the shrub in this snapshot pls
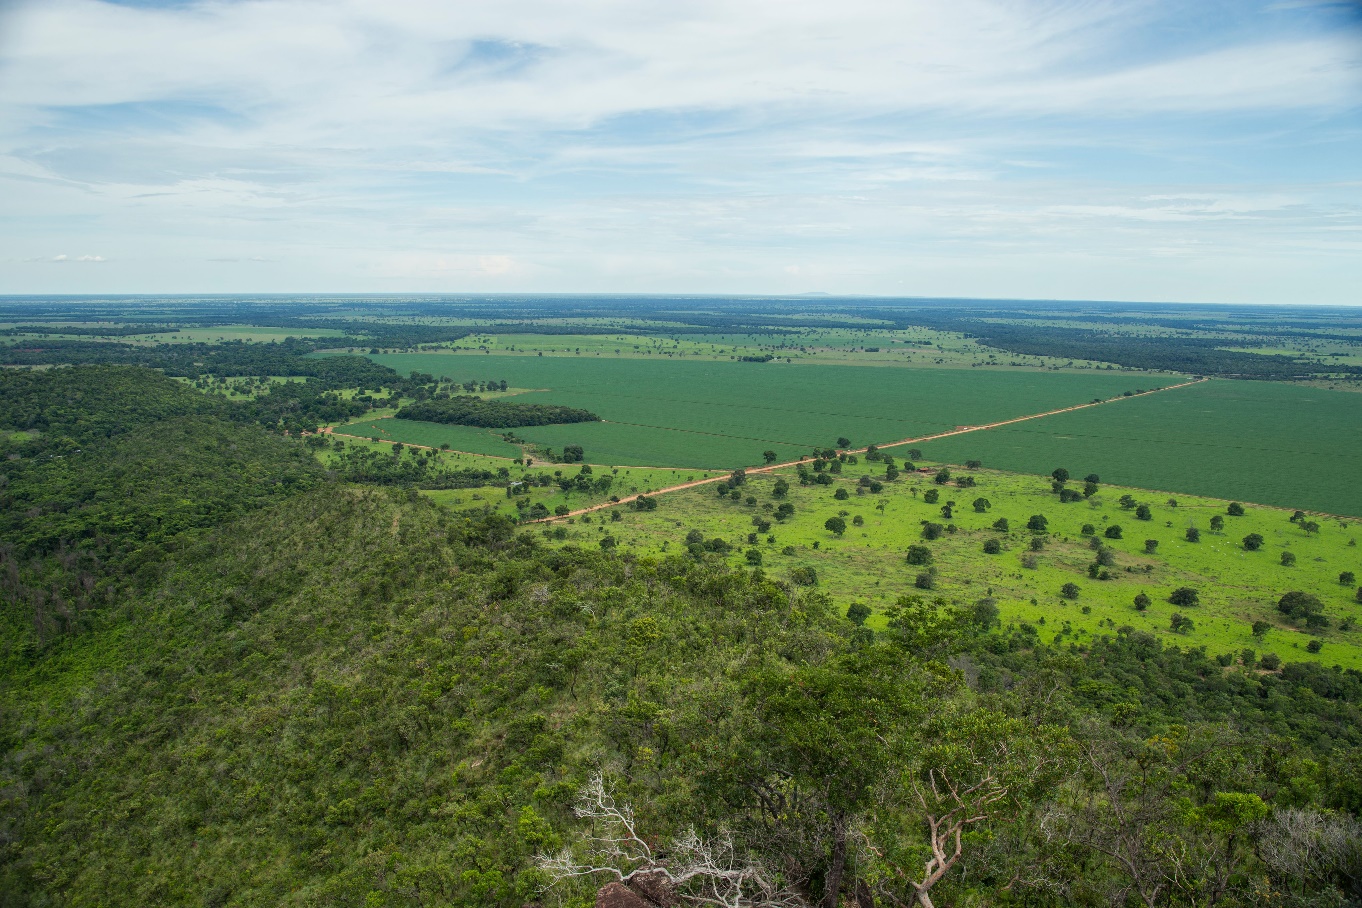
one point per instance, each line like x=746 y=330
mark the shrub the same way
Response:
x=1184 y=595
x=932 y=531
x=804 y=576
x=1037 y=543
x=1314 y=646
x=1001 y=525
x=1037 y=523
x=1347 y=578
x=1113 y=531
x=919 y=555
x=931 y=496
x=835 y=525
x=1151 y=546
x=1143 y=513
x=1297 y=604
x=1270 y=661
x=1193 y=534
x=841 y=495
x=1253 y=542
x=1088 y=530
x=1141 y=602
x=753 y=557
x=1069 y=590
x=1217 y=523
x=992 y=547
x=857 y=612
x=858 y=520
x=1235 y=509
x=1181 y=624
x=1288 y=559
x=925 y=581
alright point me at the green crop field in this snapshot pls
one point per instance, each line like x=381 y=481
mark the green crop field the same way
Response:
x=867 y=564
x=724 y=414
x=1278 y=444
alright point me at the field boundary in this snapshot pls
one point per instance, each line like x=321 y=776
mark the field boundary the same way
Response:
x=959 y=430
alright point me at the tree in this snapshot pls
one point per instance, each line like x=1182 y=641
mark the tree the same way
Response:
x=1069 y=590
x=857 y=612
x=942 y=476
x=1297 y=604
x=992 y=547
x=973 y=464
x=835 y=525
x=1184 y=596
x=784 y=511
x=573 y=454
x=1288 y=559
x=780 y=489
x=843 y=442
x=1141 y=602
x=1260 y=629
x=932 y=530
x=1151 y=546
x=919 y=555
x=931 y=496
x=1193 y=534
x=1144 y=513
x=841 y=495
x=1089 y=489
x=1181 y=624
x=1347 y=578
x=1001 y=525
x=768 y=456
x=1314 y=646
x=1253 y=542
x=1127 y=502
x=753 y=557
x=1113 y=531
x=981 y=505
x=1037 y=523
x=1217 y=523
x=1060 y=474
x=1235 y=509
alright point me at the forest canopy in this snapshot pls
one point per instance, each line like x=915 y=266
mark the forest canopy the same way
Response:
x=492 y=414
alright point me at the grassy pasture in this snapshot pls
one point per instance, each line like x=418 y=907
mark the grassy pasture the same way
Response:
x=867 y=564
x=724 y=414
x=470 y=439
x=1278 y=444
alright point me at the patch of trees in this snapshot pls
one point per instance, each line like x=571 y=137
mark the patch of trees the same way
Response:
x=493 y=414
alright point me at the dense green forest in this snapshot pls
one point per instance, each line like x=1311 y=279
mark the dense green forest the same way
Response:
x=492 y=414
x=234 y=677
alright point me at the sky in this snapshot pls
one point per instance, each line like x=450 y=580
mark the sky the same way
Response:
x=1197 y=150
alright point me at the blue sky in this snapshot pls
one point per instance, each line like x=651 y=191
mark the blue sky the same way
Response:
x=1199 y=151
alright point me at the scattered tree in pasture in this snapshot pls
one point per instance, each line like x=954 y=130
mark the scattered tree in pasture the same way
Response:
x=992 y=547
x=1184 y=596
x=835 y=525
x=981 y=505
x=1151 y=546
x=1235 y=509
x=1113 y=531
x=1253 y=542
x=919 y=555
x=1141 y=602
x=1001 y=525
x=1037 y=523
x=1193 y=534
x=1070 y=590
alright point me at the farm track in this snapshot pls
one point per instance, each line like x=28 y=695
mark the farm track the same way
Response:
x=961 y=430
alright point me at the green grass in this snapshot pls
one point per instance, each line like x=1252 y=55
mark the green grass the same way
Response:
x=724 y=414
x=469 y=439
x=867 y=563
x=1278 y=444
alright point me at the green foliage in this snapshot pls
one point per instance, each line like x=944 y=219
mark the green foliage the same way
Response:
x=498 y=414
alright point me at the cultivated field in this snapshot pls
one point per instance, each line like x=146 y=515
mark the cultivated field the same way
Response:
x=1274 y=443
x=725 y=414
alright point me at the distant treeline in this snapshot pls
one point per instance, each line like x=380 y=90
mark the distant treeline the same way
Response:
x=492 y=414
x=74 y=331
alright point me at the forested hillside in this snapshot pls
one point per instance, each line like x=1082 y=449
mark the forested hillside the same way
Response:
x=301 y=691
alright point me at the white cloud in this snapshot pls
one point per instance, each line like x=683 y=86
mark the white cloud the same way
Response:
x=344 y=144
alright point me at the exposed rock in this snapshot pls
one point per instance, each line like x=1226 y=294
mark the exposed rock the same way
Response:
x=618 y=895
x=655 y=887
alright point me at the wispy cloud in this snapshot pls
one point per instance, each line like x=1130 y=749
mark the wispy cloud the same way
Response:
x=903 y=145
